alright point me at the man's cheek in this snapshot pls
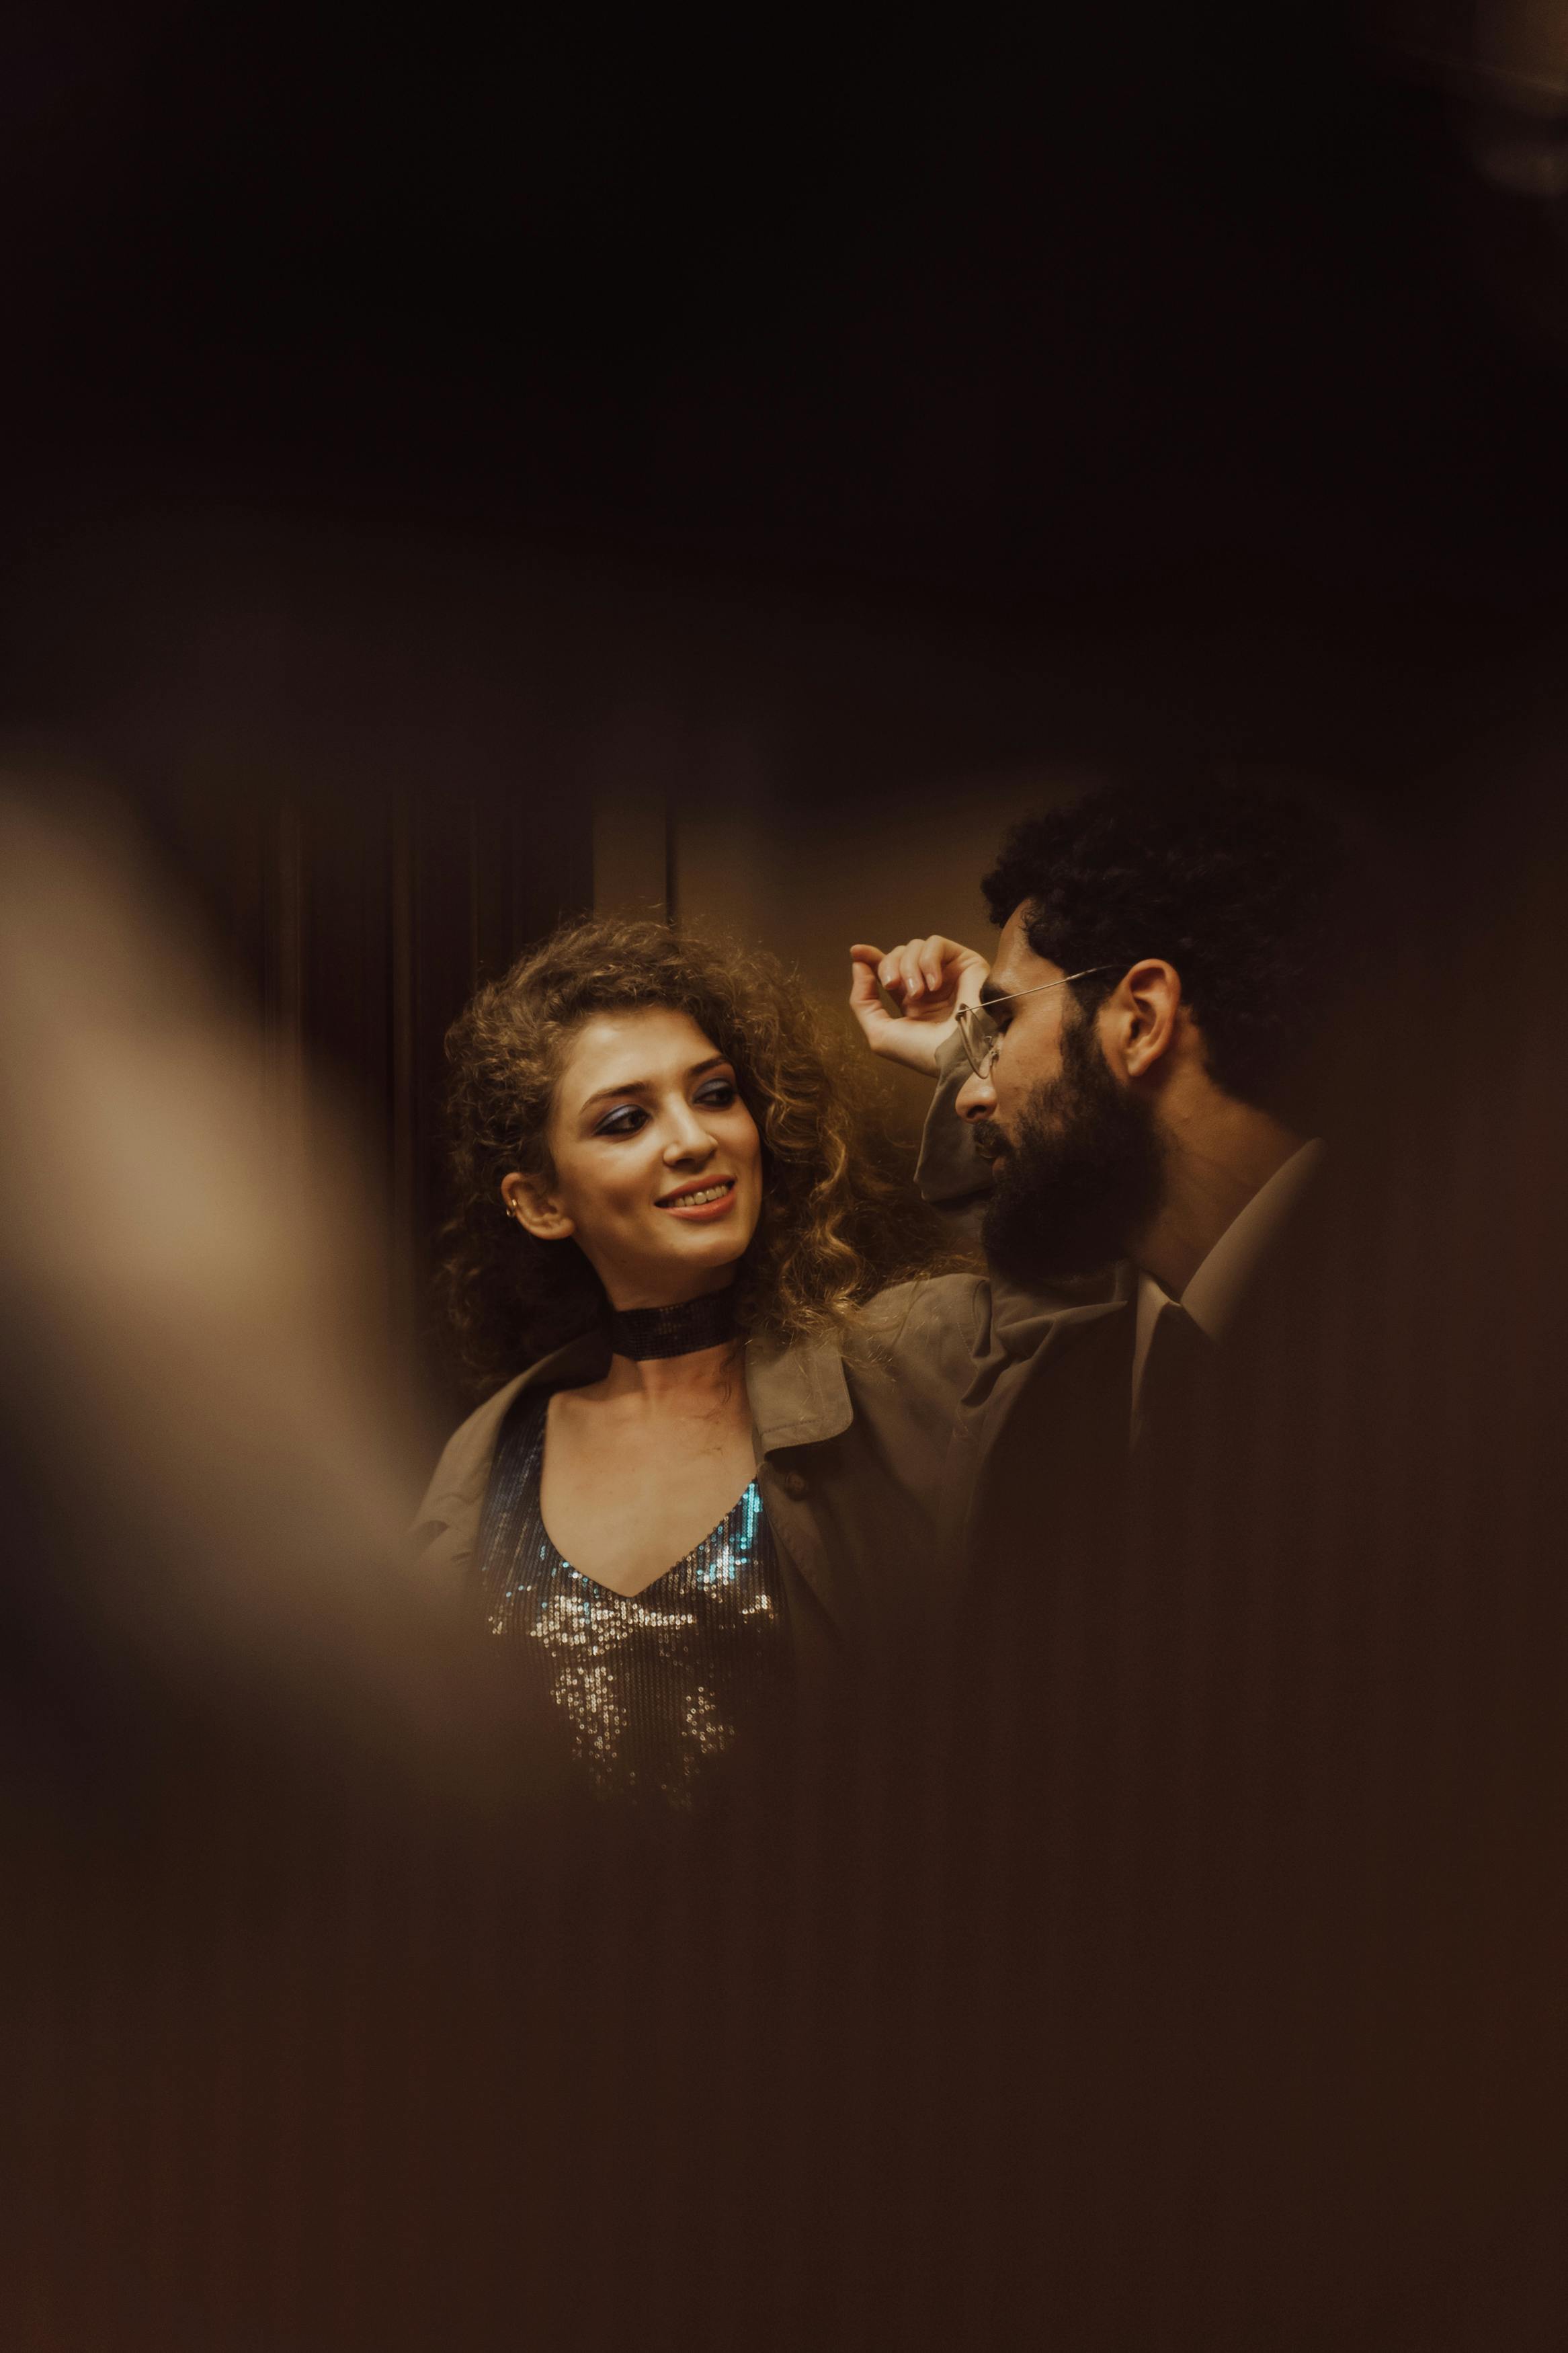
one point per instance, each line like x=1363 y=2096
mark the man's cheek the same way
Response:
x=1008 y=1101
x=1022 y=1081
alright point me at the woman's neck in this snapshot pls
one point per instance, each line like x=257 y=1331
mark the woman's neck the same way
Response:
x=682 y=1353
x=694 y=1382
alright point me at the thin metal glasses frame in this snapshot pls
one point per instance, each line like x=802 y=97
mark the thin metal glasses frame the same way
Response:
x=982 y=1052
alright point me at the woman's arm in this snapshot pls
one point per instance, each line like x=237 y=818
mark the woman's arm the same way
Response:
x=951 y=1173
x=927 y=980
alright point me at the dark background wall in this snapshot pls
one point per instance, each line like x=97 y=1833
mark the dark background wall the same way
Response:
x=458 y=476
x=450 y=476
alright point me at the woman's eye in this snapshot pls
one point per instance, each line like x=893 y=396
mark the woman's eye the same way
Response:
x=624 y=1122
x=719 y=1095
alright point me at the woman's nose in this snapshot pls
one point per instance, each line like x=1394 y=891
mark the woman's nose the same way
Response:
x=689 y=1140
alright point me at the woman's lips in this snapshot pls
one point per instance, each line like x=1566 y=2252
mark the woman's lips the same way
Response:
x=702 y=1204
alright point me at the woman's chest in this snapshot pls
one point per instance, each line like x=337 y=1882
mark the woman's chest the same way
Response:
x=624 y=1500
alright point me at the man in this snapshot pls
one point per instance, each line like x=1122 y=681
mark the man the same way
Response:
x=1185 y=1657
x=1130 y=1069
x=1133 y=1085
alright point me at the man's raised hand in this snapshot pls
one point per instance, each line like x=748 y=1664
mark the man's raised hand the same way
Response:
x=926 y=980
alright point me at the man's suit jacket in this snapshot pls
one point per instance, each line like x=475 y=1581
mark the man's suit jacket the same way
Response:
x=1272 y=1832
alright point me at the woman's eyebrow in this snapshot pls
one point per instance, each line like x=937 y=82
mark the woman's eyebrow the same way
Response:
x=650 y=1086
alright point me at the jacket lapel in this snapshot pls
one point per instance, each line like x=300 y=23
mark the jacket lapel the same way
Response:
x=1049 y=1426
x=1031 y=1342
x=798 y=1394
x=799 y=1397
x=446 y=1529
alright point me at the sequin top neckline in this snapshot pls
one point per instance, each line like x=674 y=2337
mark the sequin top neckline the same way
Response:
x=654 y=1688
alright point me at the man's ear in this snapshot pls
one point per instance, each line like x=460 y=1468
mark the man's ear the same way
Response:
x=1145 y=1013
x=530 y=1201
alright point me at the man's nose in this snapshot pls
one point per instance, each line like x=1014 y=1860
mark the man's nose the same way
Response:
x=975 y=1099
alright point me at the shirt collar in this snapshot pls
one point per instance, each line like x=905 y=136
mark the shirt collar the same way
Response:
x=1216 y=1291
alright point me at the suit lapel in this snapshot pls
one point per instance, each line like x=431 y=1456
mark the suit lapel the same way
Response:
x=1052 y=1446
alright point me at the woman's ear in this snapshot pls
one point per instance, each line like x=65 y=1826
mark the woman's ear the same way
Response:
x=530 y=1201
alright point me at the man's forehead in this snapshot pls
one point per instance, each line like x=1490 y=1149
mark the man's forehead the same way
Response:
x=1016 y=966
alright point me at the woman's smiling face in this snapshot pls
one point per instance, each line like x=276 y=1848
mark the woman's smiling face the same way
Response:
x=658 y=1162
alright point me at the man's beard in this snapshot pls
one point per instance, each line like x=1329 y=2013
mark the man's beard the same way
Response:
x=1083 y=1175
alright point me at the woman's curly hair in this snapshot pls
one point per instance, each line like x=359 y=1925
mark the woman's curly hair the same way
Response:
x=835 y=1226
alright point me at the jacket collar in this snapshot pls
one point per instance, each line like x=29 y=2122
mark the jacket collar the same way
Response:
x=798 y=1392
x=467 y=1467
x=1023 y=1326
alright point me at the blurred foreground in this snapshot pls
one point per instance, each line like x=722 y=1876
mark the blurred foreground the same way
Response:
x=1062 y=2007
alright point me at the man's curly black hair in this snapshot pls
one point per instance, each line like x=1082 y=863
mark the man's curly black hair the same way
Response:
x=1242 y=890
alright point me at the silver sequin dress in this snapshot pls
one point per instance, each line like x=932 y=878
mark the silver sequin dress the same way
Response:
x=656 y=1688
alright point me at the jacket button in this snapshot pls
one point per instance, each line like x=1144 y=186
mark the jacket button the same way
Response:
x=793 y=1481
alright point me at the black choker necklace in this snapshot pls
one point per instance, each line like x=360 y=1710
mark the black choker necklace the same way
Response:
x=644 y=1332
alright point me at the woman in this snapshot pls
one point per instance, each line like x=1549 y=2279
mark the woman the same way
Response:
x=714 y=1462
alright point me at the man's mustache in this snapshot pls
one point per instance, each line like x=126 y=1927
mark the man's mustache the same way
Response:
x=989 y=1141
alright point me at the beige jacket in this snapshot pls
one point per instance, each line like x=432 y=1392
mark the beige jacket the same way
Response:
x=861 y=1459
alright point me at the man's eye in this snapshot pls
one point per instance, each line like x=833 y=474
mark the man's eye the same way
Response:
x=624 y=1122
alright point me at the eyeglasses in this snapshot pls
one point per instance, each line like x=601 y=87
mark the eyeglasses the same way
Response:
x=981 y=1036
